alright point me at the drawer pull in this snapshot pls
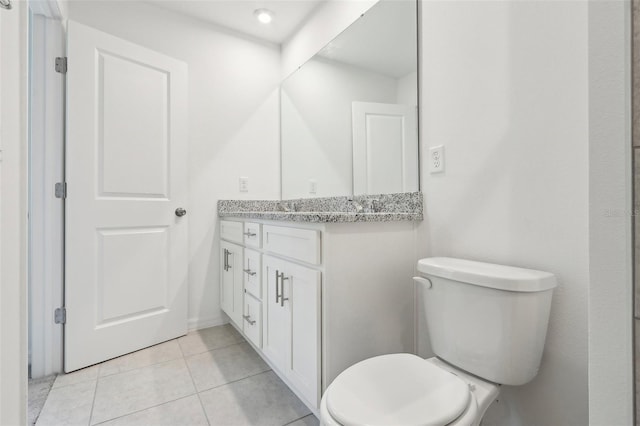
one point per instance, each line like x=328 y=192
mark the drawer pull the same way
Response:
x=226 y=260
x=250 y=234
x=249 y=272
x=248 y=319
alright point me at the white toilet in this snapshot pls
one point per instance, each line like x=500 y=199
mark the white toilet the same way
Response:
x=487 y=326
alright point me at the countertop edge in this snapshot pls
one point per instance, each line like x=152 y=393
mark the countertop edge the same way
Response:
x=325 y=217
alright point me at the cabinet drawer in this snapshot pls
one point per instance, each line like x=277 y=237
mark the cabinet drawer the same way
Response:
x=231 y=231
x=300 y=244
x=252 y=320
x=252 y=271
x=252 y=235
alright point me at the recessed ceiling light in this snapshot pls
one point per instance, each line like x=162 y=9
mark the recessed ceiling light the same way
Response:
x=265 y=16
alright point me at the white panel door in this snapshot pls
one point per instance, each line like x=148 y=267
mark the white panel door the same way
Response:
x=126 y=170
x=385 y=148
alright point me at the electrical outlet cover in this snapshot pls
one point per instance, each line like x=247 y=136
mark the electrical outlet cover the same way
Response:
x=436 y=159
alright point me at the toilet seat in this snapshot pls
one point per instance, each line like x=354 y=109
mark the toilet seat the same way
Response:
x=397 y=389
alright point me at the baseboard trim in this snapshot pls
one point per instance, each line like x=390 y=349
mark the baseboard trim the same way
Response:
x=194 y=324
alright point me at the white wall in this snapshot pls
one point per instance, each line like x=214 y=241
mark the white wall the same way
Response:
x=316 y=125
x=504 y=88
x=610 y=286
x=13 y=208
x=233 y=122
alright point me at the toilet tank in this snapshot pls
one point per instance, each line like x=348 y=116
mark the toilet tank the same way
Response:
x=489 y=320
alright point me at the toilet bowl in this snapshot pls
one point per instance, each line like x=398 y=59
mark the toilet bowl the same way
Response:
x=466 y=305
x=404 y=389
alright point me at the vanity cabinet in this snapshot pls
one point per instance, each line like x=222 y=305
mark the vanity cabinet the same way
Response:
x=292 y=323
x=316 y=298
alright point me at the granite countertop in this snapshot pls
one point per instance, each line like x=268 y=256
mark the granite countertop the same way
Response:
x=365 y=208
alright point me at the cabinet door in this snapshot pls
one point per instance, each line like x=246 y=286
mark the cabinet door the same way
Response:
x=291 y=336
x=276 y=336
x=302 y=288
x=231 y=281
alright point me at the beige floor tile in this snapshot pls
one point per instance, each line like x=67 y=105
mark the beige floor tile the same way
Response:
x=157 y=354
x=136 y=390
x=79 y=376
x=38 y=392
x=185 y=411
x=68 y=405
x=220 y=366
x=309 y=420
x=258 y=400
x=208 y=339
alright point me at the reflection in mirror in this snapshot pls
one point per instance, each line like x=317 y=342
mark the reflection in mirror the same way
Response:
x=349 y=115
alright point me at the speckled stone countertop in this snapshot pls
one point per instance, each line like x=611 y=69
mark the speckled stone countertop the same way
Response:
x=363 y=208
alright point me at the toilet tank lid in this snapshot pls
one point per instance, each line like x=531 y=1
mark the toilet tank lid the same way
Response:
x=490 y=275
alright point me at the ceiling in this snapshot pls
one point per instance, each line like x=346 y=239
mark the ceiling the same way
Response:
x=237 y=15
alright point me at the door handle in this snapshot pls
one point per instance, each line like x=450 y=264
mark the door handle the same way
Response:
x=249 y=272
x=226 y=260
x=248 y=319
x=180 y=212
x=277 y=278
x=282 y=298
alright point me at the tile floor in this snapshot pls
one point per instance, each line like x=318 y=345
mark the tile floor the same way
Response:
x=209 y=377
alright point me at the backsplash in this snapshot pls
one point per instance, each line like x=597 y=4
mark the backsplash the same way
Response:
x=361 y=208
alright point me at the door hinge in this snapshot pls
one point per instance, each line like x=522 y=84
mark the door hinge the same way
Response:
x=61 y=65
x=60 y=316
x=61 y=190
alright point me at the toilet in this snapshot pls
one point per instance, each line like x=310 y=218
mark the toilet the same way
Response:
x=486 y=324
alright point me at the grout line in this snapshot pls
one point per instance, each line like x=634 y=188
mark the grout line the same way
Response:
x=143 y=366
x=144 y=409
x=197 y=393
x=93 y=402
x=234 y=381
x=239 y=342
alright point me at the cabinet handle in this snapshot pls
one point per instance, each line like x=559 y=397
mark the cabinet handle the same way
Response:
x=282 y=298
x=250 y=272
x=250 y=234
x=277 y=278
x=226 y=260
x=248 y=319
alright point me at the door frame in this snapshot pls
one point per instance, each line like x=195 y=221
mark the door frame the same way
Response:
x=46 y=168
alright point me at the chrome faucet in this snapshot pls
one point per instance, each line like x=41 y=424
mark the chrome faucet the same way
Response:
x=287 y=206
x=356 y=205
x=373 y=205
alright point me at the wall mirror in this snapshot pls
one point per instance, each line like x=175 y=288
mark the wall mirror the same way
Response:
x=349 y=115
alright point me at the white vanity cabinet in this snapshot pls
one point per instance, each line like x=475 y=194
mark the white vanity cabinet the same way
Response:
x=292 y=323
x=319 y=297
